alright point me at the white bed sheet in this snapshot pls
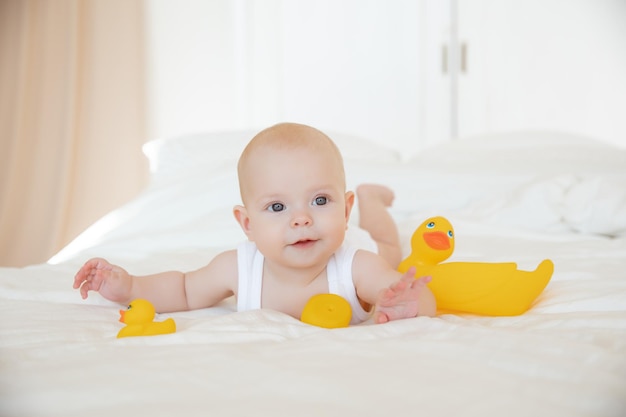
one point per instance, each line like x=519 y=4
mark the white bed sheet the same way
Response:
x=519 y=197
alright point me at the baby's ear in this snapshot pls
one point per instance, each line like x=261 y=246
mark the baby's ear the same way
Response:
x=241 y=215
x=349 y=204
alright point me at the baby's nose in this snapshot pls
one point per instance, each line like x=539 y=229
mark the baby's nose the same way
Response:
x=301 y=219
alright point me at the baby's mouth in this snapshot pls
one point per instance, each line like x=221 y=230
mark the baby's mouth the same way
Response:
x=304 y=243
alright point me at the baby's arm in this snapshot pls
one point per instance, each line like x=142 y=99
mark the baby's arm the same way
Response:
x=395 y=296
x=167 y=291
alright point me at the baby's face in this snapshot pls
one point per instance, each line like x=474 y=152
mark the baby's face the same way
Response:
x=296 y=206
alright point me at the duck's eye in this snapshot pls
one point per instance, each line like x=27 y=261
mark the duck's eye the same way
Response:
x=450 y=234
x=276 y=207
x=430 y=225
x=129 y=307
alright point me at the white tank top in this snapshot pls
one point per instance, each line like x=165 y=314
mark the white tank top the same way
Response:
x=338 y=271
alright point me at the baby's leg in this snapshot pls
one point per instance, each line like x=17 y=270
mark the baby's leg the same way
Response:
x=373 y=201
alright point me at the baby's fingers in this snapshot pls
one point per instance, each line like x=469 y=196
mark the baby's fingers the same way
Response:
x=81 y=276
x=93 y=282
x=410 y=273
x=400 y=285
x=380 y=317
x=388 y=295
x=84 y=289
x=422 y=281
x=89 y=269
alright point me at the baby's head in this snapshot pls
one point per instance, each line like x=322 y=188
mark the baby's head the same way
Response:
x=287 y=139
x=293 y=189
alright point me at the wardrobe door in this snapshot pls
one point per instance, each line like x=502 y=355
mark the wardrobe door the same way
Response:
x=542 y=64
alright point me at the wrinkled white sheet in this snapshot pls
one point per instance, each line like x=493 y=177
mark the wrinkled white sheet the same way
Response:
x=565 y=357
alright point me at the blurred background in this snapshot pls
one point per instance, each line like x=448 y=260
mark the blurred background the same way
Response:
x=85 y=83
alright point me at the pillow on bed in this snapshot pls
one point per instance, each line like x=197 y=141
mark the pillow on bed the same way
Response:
x=592 y=204
x=212 y=152
x=597 y=205
x=542 y=181
x=536 y=153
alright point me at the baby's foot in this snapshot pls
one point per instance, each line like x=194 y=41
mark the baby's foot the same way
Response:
x=375 y=192
x=400 y=301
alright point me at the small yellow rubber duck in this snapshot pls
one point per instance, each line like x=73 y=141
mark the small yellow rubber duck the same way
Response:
x=139 y=320
x=494 y=289
x=330 y=311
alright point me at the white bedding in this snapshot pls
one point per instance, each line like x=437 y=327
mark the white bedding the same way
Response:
x=518 y=197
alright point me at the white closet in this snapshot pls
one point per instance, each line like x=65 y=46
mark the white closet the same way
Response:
x=542 y=64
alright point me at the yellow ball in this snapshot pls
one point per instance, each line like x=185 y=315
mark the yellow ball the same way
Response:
x=330 y=311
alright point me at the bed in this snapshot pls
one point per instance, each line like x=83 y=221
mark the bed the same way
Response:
x=521 y=196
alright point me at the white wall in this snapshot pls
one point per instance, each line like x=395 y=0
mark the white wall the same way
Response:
x=192 y=76
x=354 y=66
x=351 y=66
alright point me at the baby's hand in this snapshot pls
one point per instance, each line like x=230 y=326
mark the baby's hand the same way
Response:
x=400 y=300
x=111 y=281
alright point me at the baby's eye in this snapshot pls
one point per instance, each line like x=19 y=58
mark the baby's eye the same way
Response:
x=430 y=225
x=276 y=207
x=320 y=201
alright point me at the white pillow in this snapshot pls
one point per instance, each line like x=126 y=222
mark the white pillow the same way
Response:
x=543 y=181
x=597 y=205
x=171 y=158
x=533 y=153
x=214 y=151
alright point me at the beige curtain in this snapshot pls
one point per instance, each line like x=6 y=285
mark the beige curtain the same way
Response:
x=72 y=119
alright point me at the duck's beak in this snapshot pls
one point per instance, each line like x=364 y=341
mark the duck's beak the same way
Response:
x=122 y=312
x=437 y=240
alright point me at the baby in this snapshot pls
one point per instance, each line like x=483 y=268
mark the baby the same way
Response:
x=295 y=214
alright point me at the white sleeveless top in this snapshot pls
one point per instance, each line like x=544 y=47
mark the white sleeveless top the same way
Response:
x=339 y=273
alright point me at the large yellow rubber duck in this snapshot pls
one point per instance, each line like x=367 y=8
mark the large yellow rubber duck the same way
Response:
x=139 y=320
x=493 y=289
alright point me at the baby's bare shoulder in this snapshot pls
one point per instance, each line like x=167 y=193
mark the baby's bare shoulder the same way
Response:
x=223 y=266
x=226 y=262
x=213 y=282
x=229 y=256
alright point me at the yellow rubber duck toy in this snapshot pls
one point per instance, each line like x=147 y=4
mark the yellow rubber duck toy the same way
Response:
x=493 y=289
x=139 y=320
x=330 y=311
